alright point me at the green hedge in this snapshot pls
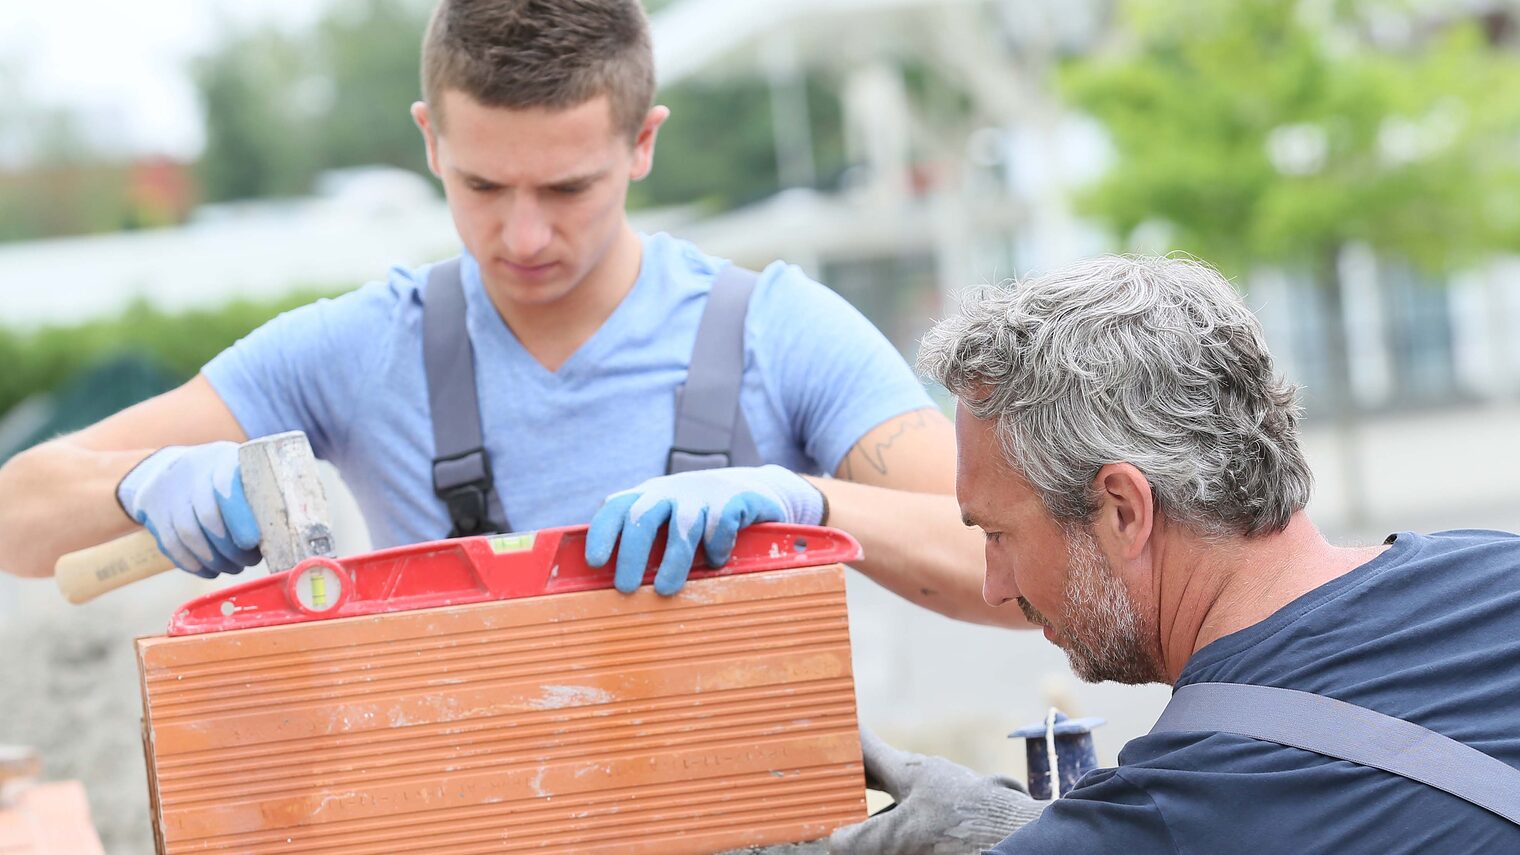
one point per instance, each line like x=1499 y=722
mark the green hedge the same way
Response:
x=42 y=359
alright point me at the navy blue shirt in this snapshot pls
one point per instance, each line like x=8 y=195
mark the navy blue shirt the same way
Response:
x=1429 y=631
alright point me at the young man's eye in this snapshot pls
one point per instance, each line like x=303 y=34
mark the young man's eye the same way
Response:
x=481 y=186
x=570 y=189
x=993 y=536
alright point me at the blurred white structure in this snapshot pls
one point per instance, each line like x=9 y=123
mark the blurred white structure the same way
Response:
x=363 y=222
x=940 y=195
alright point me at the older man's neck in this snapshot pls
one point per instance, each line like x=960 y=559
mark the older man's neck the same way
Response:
x=1228 y=586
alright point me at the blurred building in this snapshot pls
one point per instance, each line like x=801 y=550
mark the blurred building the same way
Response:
x=358 y=224
x=959 y=159
x=946 y=195
x=939 y=199
x=160 y=191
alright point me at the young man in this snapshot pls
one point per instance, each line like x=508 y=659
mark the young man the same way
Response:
x=536 y=116
x=1134 y=462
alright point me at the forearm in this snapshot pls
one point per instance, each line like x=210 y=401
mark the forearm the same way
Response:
x=917 y=547
x=56 y=498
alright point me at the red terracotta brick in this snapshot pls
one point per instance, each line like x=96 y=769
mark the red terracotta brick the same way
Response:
x=584 y=722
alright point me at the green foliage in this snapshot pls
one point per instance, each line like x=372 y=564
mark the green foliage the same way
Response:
x=718 y=147
x=43 y=359
x=282 y=108
x=1414 y=151
x=64 y=200
x=693 y=164
x=63 y=191
x=258 y=136
x=370 y=54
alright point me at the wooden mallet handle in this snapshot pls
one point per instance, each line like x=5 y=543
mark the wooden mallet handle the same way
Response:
x=84 y=575
x=280 y=475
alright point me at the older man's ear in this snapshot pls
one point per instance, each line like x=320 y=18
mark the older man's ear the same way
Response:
x=1126 y=513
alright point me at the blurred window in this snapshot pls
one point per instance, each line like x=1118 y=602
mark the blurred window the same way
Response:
x=897 y=294
x=1415 y=334
x=1418 y=333
x=1306 y=324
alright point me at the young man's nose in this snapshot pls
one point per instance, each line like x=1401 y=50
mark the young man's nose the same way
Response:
x=526 y=232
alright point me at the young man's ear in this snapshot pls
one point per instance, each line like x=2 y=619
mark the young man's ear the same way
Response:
x=643 y=144
x=1126 y=513
x=424 y=121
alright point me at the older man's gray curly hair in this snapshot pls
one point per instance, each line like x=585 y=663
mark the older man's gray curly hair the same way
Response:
x=1151 y=361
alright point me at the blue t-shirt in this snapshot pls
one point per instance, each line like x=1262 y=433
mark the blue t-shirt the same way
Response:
x=1429 y=631
x=349 y=372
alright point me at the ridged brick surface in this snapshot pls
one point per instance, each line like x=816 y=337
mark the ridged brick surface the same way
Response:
x=588 y=722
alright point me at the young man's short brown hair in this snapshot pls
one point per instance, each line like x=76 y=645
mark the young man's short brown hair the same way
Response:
x=554 y=54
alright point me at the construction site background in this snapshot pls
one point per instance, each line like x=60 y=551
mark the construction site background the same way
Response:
x=898 y=150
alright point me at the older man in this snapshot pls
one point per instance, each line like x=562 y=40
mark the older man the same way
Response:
x=1134 y=463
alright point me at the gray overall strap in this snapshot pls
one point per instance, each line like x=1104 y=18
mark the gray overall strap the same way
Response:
x=710 y=429
x=461 y=466
x=1347 y=732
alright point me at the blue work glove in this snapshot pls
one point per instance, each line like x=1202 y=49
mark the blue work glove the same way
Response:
x=191 y=498
x=707 y=507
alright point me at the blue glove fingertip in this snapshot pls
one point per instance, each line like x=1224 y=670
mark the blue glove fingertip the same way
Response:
x=637 y=543
x=680 y=552
x=668 y=583
x=720 y=543
x=230 y=557
x=237 y=513
x=606 y=526
x=741 y=511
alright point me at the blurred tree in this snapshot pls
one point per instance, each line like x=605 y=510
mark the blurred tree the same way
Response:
x=715 y=170
x=718 y=148
x=259 y=138
x=11 y=147
x=281 y=108
x=43 y=359
x=1261 y=137
x=52 y=181
x=31 y=132
x=63 y=199
x=369 y=53
x=1271 y=132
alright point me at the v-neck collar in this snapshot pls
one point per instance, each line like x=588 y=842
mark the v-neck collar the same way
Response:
x=483 y=318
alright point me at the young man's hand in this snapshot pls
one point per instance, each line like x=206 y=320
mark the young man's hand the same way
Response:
x=706 y=507
x=940 y=808
x=191 y=498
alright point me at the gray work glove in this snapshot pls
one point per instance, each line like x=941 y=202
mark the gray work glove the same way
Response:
x=941 y=809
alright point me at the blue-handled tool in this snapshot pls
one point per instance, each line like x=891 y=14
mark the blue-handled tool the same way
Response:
x=1066 y=742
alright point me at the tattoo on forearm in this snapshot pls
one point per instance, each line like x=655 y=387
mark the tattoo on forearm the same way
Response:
x=874 y=452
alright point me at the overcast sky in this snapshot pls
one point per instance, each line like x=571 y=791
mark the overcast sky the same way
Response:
x=122 y=65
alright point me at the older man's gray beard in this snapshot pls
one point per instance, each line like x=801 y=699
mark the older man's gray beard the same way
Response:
x=1101 y=631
